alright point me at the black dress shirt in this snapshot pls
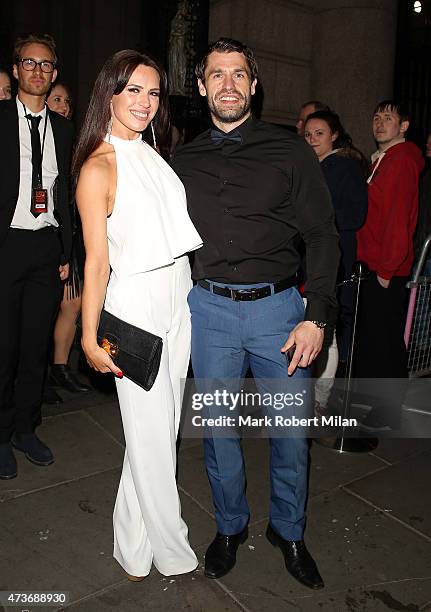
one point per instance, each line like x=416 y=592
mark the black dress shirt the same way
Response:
x=252 y=202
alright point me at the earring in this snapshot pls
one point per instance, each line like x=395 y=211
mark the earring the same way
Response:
x=154 y=136
x=109 y=129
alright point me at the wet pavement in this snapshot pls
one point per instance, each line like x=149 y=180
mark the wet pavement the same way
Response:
x=369 y=526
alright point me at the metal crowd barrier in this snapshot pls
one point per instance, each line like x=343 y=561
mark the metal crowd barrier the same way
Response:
x=417 y=334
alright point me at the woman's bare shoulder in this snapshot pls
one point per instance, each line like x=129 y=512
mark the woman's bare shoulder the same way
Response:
x=100 y=163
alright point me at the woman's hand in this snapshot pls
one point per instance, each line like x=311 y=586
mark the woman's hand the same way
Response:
x=63 y=270
x=99 y=360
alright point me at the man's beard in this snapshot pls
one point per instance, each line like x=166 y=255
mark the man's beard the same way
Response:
x=35 y=90
x=231 y=115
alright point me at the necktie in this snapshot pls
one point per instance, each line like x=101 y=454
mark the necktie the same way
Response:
x=36 y=152
x=218 y=137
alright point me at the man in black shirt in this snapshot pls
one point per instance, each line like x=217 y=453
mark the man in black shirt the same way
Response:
x=254 y=190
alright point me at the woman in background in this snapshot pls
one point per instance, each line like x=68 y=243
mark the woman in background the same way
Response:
x=345 y=170
x=59 y=100
x=5 y=85
x=135 y=222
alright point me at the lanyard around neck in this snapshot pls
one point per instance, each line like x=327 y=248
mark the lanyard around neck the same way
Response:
x=44 y=133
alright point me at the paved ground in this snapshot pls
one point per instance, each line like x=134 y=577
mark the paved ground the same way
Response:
x=369 y=526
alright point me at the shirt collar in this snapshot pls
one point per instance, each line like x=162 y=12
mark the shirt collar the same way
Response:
x=379 y=153
x=332 y=152
x=244 y=128
x=23 y=113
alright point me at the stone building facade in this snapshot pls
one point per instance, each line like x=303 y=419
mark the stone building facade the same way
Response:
x=339 y=51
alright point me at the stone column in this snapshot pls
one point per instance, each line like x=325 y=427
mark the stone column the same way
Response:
x=280 y=34
x=339 y=51
x=353 y=60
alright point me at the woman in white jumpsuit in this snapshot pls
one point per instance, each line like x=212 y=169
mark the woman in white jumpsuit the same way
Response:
x=135 y=222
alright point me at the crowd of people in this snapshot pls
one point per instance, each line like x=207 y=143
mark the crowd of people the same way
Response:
x=258 y=206
x=376 y=213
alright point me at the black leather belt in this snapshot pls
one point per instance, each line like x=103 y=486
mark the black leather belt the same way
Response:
x=246 y=295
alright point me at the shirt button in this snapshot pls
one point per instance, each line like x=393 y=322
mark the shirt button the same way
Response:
x=230 y=241
x=225 y=181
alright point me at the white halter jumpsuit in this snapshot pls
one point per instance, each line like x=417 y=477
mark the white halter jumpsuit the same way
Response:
x=149 y=233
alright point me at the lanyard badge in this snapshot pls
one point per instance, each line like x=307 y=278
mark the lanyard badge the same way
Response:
x=39 y=201
x=39 y=195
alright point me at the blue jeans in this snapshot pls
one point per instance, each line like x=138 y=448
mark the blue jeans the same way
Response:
x=228 y=337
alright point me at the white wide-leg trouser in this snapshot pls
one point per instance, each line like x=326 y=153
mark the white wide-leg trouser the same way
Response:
x=148 y=527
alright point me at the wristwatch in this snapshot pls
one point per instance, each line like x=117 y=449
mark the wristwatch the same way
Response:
x=319 y=324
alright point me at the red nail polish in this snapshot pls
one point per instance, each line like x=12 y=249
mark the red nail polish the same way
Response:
x=120 y=374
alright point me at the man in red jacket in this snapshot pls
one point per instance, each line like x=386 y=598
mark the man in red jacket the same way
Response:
x=385 y=244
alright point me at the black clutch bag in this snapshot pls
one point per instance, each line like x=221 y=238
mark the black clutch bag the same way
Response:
x=135 y=351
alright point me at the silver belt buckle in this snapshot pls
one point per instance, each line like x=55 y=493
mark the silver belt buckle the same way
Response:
x=237 y=294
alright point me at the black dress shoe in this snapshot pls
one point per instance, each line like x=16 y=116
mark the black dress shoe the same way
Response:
x=50 y=396
x=8 y=467
x=299 y=563
x=61 y=376
x=34 y=449
x=374 y=422
x=220 y=557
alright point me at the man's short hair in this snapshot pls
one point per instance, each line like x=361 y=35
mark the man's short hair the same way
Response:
x=394 y=107
x=227 y=45
x=318 y=106
x=40 y=39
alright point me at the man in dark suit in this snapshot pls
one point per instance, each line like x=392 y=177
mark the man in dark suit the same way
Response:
x=35 y=240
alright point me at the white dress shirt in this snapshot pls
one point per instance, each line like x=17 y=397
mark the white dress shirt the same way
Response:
x=23 y=218
x=378 y=155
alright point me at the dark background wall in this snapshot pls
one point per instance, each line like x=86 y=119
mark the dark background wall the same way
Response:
x=413 y=65
x=87 y=32
x=300 y=44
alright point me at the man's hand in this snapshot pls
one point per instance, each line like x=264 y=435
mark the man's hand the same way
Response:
x=64 y=271
x=308 y=339
x=383 y=282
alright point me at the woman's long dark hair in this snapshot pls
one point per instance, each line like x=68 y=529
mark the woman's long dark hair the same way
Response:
x=343 y=142
x=111 y=81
